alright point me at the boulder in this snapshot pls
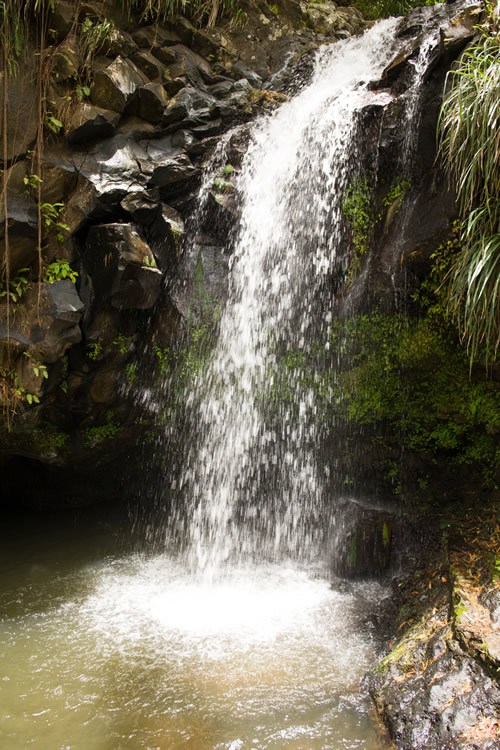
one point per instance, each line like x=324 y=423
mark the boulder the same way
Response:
x=88 y=123
x=20 y=230
x=66 y=59
x=143 y=206
x=153 y=37
x=115 y=85
x=167 y=234
x=149 y=65
x=151 y=102
x=22 y=113
x=46 y=320
x=122 y=267
x=118 y=44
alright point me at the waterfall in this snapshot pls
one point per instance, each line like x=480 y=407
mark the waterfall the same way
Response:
x=253 y=479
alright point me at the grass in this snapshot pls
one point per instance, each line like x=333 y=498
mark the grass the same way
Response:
x=469 y=130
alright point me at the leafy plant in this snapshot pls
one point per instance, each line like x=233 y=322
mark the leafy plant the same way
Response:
x=469 y=134
x=58 y=270
x=51 y=218
x=52 y=123
x=38 y=367
x=93 y=350
x=17 y=286
x=357 y=208
x=122 y=343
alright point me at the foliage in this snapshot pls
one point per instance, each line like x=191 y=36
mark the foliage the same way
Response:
x=59 y=270
x=52 y=123
x=92 y=37
x=200 y=11
x=412 y=376
x=51 y=213
x=469 y=131
x=16 y=286
x=385 y=8
x=357 y=208
x=94 y=436
x=93 y=350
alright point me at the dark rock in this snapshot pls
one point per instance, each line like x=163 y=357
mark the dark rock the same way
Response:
x=204 y=42
x=62 y=18
x=152 y=37
x=46 y=320
x=184 y=30
x=144 y=206
x=66 y=61
x=240 y=70
x=151 y=102
x=222 y=89
x=22 y=98
x=166 y=234
x=149 y=65
x=22 y=229
x=194 y=68
x=115 y=85
x=363 y=541
x=173 y=85
x=118 y=44
x=88 y=123
x=165 y=56
x=122 y=267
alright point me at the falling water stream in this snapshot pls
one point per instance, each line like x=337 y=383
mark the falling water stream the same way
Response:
x=240 y=641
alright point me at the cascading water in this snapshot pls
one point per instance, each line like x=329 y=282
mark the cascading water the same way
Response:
x=259 y=651
x=253 y=476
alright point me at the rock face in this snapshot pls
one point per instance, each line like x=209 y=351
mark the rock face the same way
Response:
x=96 y=287
x=437 y=686
x=118 y=206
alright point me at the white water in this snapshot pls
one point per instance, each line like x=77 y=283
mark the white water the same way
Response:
x=255 y=485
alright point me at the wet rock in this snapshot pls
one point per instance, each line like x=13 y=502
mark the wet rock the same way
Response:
x=149 y=65
x=22 y=230
x=46 y=321
x=142 y=205
x=363 y=543
x=151 y=102
x=167 y=234
x=153 y=37
x=66 y=61
x=118 y=43
x=191 y=66
x=88 y=123
x=122 y=267
x=240 y=70
x=115 y=85
x=22 y=97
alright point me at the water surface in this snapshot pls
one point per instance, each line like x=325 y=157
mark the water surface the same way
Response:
x=105 y=647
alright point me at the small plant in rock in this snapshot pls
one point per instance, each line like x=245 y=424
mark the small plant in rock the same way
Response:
x=17 y=286
x=52 y=123
x=59 y=270
x=356 y=206
x=122 y=343
x=51 y=213
x=93 y=350
x=38 y=367
x=32 y=182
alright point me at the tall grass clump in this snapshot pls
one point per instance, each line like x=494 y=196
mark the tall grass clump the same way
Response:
x=374 y=10
x=469 y=132
x=202 y=12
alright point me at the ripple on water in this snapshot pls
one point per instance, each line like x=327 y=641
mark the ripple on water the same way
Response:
x=141 y=655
